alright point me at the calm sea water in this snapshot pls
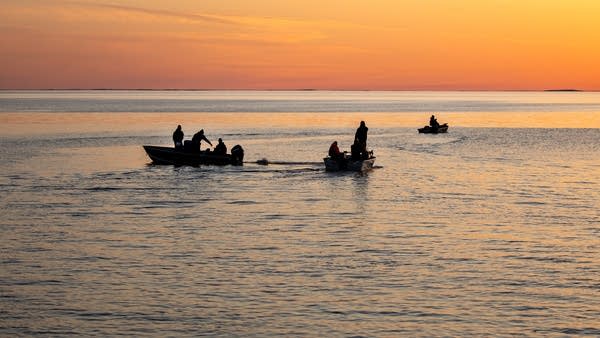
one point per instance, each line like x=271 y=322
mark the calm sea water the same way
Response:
x=491 y=229
x=295 y=101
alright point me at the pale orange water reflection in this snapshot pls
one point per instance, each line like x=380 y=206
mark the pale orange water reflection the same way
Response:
x=14 y=124
x=481 y=231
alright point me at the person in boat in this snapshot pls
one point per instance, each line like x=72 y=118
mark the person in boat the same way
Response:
x=178 y=137
x=197 y=139
x=361 y=134
x=220 y=148
x=360 y=137
x=334 y=151
x=433 y=123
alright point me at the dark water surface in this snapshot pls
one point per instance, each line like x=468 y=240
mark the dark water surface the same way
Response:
x=482 y=231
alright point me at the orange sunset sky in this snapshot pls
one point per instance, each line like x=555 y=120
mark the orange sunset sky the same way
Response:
x=295 y=44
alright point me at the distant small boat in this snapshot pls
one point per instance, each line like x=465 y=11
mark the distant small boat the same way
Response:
x=173 y=156
x=347 y=164
x=443 y=128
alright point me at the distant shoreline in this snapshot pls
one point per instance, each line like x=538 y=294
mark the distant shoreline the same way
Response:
x=298 y=90
x=563 y=90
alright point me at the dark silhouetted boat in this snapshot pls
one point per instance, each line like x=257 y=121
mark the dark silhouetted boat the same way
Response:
x=173 y=156
x=347 y=164
x=443 y=128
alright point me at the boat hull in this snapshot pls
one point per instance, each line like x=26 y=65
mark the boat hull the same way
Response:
x=428 y=130
x=348 y=165
x=172 y=156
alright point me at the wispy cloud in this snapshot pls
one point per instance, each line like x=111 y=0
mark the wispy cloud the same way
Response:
x=158 y=12
x=105 y=20
x=272 y=30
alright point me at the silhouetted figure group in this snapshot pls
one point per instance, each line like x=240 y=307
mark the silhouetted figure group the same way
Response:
x=358 y=150
x=195 y=146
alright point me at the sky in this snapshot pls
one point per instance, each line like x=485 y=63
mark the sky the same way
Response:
x=300 y=44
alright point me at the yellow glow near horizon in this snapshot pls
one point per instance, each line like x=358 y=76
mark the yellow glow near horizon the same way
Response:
x=382 y=44
x=37 y=123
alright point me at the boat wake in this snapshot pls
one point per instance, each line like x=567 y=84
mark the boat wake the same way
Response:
x=265 y=161
x=284 y=171
x=431 y=145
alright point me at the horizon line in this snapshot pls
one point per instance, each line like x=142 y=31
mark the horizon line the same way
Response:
x=304 y=89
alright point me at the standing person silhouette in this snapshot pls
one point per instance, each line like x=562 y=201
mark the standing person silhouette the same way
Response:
x=361 y=138
x=178 y=137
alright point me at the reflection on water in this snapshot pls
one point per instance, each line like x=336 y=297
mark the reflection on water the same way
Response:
x=482 y=230
x=296 y=101
x=122 y=124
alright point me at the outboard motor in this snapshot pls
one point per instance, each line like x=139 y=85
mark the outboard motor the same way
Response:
x=237 y=155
